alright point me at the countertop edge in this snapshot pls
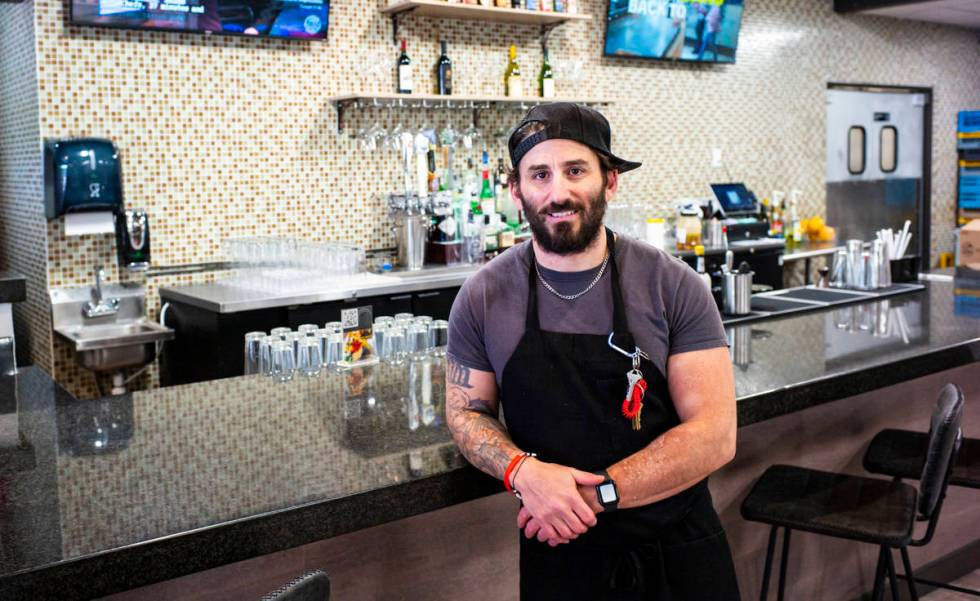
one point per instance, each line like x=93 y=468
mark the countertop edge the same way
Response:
x=181 y=554
x=178 y=555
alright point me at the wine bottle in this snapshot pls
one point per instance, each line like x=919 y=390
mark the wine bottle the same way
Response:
x=444 y=72
x=546 y=79
x=512 y=76
x=404 y=71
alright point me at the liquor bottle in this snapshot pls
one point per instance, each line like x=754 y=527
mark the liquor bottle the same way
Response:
x=512 y=76
x=475 y=208
x=546 y=79
x=404 y=71
x=444 y=72
x=487 y=200
x=778 y=215
x=702 y=272
x=489 y=235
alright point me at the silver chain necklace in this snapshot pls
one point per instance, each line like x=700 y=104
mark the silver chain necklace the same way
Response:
x=575 y=296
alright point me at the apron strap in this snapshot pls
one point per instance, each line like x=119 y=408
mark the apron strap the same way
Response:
x=620 y=325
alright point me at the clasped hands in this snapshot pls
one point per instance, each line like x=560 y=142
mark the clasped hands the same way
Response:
x=559 y=502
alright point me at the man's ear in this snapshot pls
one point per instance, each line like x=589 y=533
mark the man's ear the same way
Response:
x=612 y=183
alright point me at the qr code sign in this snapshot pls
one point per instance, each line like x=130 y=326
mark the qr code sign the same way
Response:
x=348 y=318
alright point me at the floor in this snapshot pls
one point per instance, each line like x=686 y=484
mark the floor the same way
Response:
x=971 y=580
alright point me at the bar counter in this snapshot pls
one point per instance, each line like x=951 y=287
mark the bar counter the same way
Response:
x=125 y=491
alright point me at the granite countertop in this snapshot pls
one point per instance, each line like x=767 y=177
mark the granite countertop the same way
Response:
x=13 y=287
x=125 y=491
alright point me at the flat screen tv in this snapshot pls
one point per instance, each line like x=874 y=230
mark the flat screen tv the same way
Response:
x=682 y=30
x=299 y=19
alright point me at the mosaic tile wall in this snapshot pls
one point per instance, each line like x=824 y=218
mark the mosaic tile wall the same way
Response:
x=23 y=244
x=229 y=136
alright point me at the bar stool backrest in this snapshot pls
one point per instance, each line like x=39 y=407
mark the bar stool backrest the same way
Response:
x=944 y=442
x=311 y=586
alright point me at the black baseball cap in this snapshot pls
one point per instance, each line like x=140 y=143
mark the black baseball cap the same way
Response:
x=566 y=121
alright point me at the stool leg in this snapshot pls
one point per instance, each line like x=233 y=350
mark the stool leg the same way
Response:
x=879 y=576
x=769 y=553
x=909 y=576
x=782 y=564
x=892 y=579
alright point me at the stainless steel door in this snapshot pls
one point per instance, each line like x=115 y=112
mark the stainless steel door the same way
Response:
x=874 y=162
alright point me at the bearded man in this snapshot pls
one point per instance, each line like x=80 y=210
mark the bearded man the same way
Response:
x=609 y=359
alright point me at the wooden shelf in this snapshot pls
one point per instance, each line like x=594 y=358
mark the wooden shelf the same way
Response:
x=444 y=10
x=437 y=101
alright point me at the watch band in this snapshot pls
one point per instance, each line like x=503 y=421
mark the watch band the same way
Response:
x=606 y=492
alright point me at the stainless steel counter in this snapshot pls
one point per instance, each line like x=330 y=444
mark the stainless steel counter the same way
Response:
x=227 y=298
x=223 y=297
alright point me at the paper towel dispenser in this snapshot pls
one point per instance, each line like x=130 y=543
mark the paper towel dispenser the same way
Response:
x=82 y=174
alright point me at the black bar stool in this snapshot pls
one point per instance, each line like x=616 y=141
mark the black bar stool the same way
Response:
x=311 y=586
x=870 y=510
x=901 y=454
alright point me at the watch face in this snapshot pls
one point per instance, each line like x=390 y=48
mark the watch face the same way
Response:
x=607 y=493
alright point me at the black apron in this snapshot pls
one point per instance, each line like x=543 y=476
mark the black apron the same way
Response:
x=562 y=396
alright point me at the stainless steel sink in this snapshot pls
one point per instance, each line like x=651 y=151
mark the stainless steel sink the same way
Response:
x=108 y=342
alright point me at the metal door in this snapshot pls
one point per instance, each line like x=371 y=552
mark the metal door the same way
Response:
x=875 y=163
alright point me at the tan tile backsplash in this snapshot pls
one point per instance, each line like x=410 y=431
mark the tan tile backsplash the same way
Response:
x=225 y=136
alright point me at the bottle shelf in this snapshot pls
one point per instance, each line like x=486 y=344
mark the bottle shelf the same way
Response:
x=436 y=101
x=441 y=9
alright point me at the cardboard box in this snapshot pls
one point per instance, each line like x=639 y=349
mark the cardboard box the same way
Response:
x=970 y=244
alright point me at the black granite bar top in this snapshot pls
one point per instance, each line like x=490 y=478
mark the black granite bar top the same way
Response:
x=112 y=494
x=13 y=287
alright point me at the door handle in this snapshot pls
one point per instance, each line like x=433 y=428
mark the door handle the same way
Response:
x=400 y=297
x=428 y=294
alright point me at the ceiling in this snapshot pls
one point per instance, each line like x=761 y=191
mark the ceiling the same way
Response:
x=962 y=13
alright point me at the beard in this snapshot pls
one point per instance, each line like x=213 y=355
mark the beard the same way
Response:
x=563 y=238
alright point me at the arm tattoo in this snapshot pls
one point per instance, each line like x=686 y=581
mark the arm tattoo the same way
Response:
x=478 y=433
x=458 y=375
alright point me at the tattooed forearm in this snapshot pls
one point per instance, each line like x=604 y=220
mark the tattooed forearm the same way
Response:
x=474 y=422
x=478 y=433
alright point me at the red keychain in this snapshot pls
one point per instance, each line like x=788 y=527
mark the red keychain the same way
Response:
x=636 y=385
x=633 y=404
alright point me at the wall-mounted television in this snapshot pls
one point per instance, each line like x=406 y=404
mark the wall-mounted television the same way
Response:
x=298 y=19
x=683 y=30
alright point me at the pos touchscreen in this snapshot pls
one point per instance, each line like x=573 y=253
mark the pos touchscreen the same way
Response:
x=735 y=199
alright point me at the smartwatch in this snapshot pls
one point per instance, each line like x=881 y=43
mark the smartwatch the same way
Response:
x=606 y=492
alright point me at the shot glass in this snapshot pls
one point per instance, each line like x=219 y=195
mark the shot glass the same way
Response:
x=252 y=344
x=309 y=360
x=265 y=355
x=384 y=320
x=334 y=326
x=334 y=349
x=439 y=337
x=378 y=333
x=395 y=346
x=283 y=360
x=308 y=329
x=417 y=339
x=279 y=333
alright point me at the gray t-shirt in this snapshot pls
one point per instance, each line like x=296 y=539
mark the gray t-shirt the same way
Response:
x=668 y=308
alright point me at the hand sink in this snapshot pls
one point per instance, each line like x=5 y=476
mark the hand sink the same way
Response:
x=120 y=333
x=111 y=342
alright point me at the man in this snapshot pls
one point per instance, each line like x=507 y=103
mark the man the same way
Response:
x=553 y=330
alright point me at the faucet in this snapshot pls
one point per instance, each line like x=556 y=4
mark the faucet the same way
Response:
x=99 y=306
